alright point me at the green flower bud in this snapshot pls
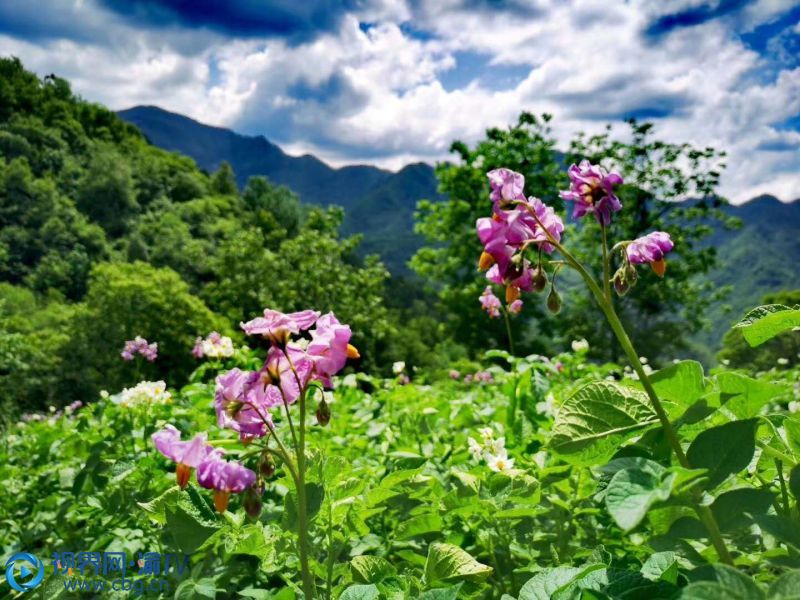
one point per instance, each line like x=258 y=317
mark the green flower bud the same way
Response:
x=323 y=413
x=553 y=301
x=539 y=279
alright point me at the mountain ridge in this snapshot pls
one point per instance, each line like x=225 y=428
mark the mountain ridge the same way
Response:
x=357 y=188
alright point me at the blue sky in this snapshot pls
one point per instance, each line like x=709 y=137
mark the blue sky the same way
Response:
x=390 y=82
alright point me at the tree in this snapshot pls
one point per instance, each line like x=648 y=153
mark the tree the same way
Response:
x=315 y=269
x=224 y=181
x=123 y=301
x=277 y=209
x=106 y=193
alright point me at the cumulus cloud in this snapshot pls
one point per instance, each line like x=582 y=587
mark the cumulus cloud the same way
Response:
x=393 y=81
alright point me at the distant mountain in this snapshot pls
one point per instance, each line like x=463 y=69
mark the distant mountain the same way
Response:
x=761 y=257
x=379 y=204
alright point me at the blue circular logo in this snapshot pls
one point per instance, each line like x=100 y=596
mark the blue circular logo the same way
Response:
x=25 y=571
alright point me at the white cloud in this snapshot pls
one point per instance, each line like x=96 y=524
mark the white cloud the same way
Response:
x=374 y=94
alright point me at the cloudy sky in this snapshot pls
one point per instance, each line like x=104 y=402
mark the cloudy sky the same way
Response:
x=390 y=82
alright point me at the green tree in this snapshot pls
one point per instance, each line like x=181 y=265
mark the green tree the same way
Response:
x=123 y=301
x=315 y=269
x=278 y=211
x=224 y=181
x=106 y=193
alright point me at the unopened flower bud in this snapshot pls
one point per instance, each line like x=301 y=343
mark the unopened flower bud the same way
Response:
x=252 y=501
x=621 y=285
x=267 y=465
x=538 y=279
x=631 y=275
x=352 y=352
x=512 y=293
x=323 y=413
x=485 y=261
x=553 y=301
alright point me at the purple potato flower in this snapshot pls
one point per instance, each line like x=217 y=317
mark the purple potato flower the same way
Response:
x=592 y=191
x=140 y=346
x=651 y=249
x=224 y=478
x=242 y=401
x=507 y=186
x=515 y=307
x=329 y=347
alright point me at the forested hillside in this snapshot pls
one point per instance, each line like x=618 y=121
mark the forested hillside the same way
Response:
x=104 y=236
x=378 y=204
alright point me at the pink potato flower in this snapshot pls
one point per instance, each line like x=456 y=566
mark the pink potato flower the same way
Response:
x=242 y=402
x=186 y=454
x=490 y=303
x=329 y=348
x=277 y=326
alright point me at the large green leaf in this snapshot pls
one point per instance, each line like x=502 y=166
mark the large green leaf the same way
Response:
x=545 y=584
x=765 y=322
x=447 y=563
x=781 y=528
x=661 y=566
x=730 y=508
x=371 y=569
x=193 y=589
x=190 y=521
x=449 y=593
x=720 y=582
x=679 y=386
x=420 y=525
x=361 y=592
x=744 y=397
x=785 y=587
x=597 y=418
x=723 y=450
x=634 y=490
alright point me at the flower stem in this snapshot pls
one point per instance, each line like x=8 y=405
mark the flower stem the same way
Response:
x=703 y=512
x=508 y=331
x=302 y=515
x=606 y=265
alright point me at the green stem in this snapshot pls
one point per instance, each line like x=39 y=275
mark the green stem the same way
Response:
x=330 y=550
x=784 y=493
x=606 y=266
x=770 y=451
x=302 y=517
x=508 y=331
x=703 y=512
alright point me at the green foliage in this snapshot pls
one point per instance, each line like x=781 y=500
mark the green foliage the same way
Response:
x=79 y=187
x=401 y=510
x=123 y=301
x=780 y=351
